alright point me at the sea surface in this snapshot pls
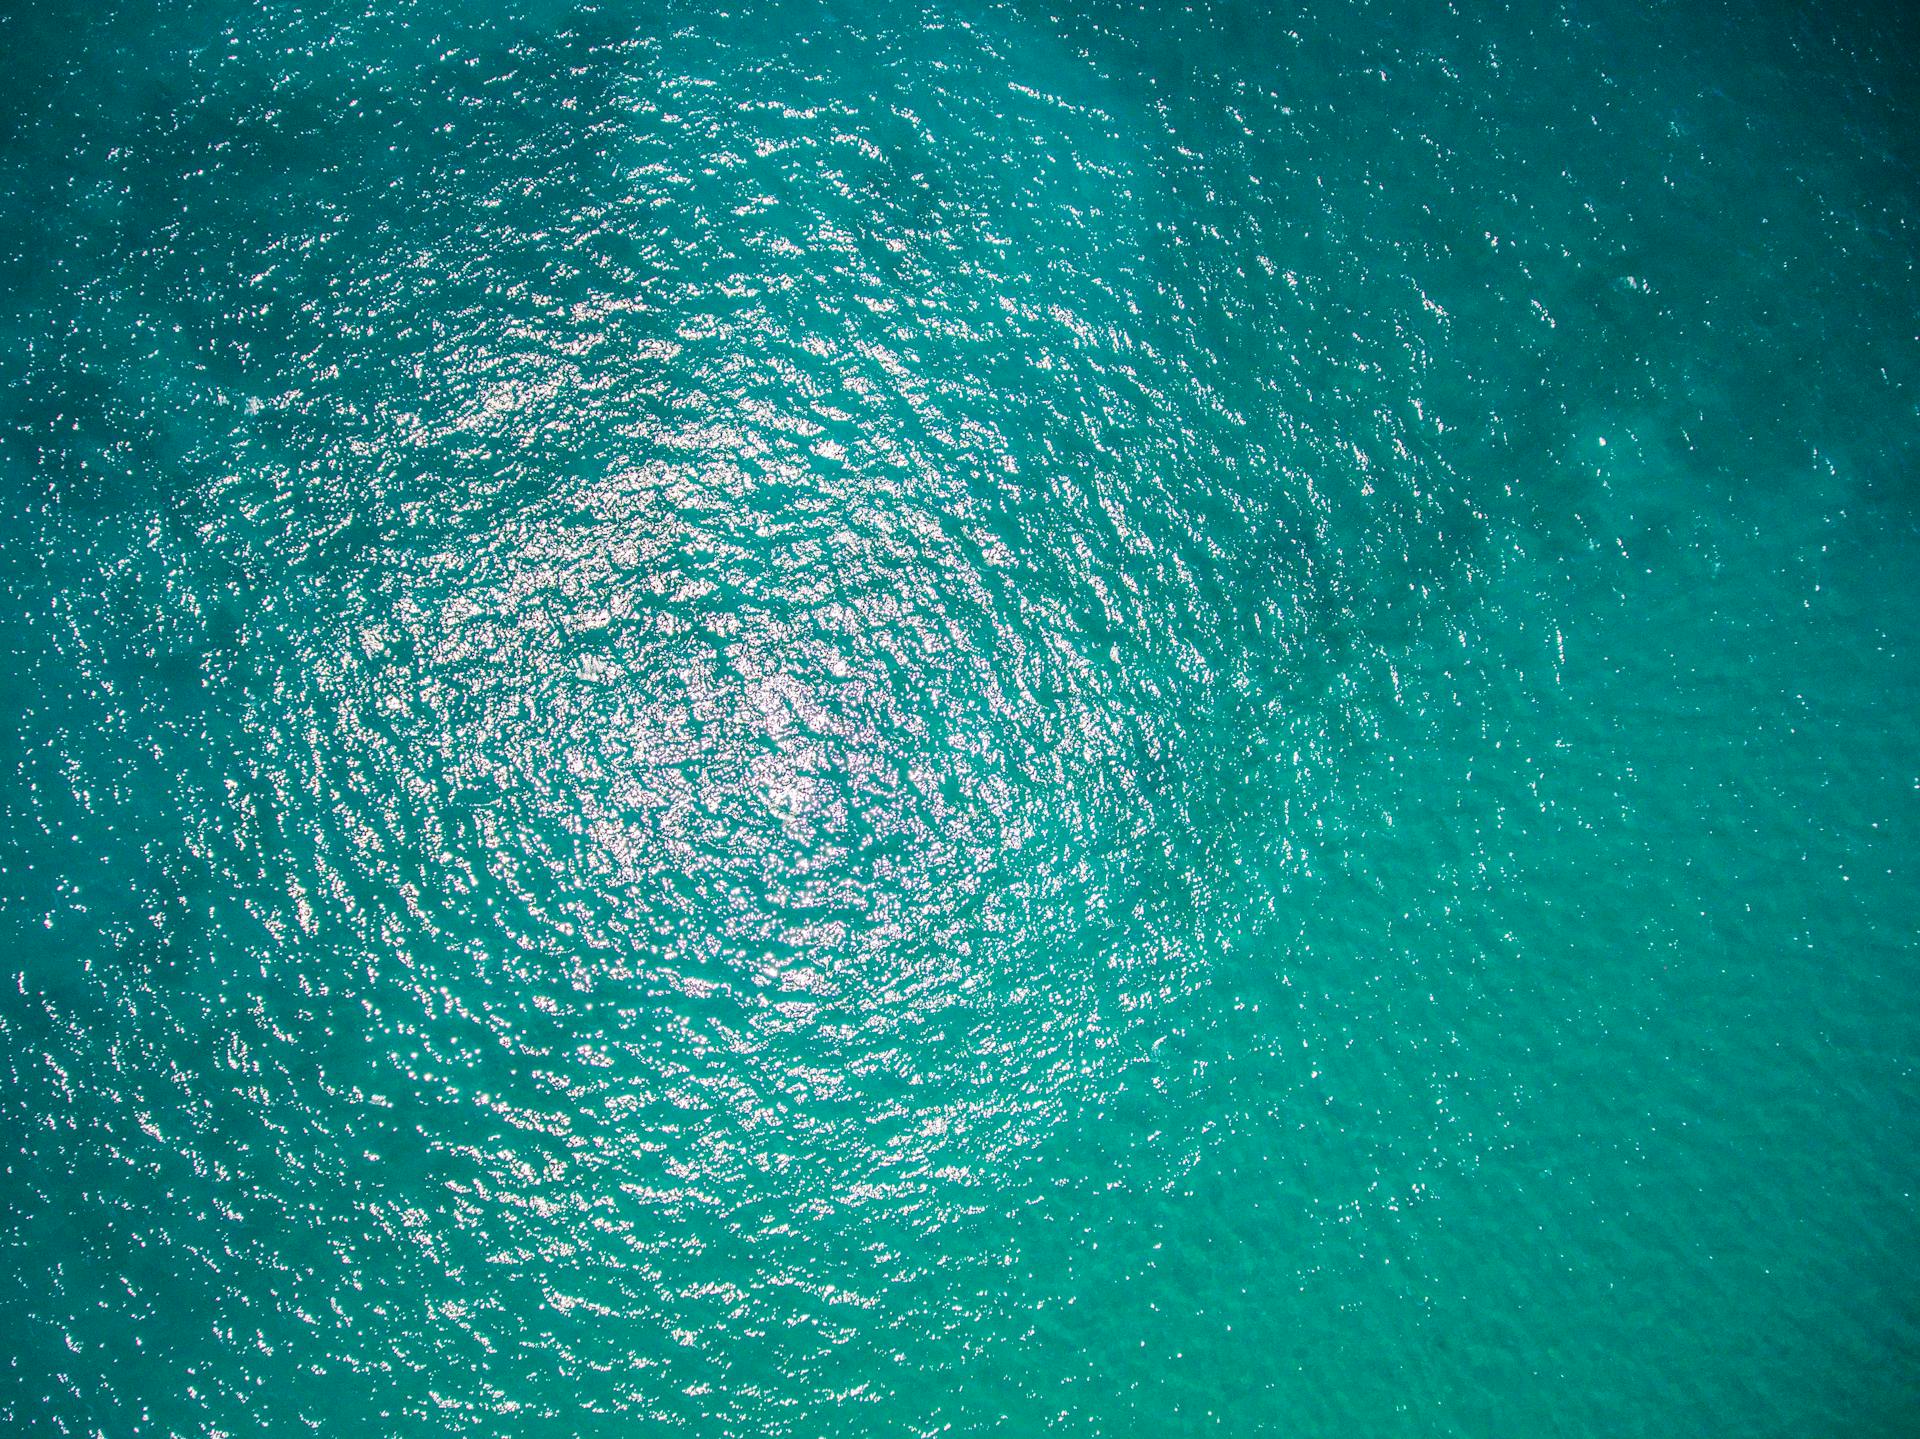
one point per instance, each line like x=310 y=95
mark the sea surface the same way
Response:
x=815 y=719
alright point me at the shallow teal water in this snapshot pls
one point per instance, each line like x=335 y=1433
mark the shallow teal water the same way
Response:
x=822 y=720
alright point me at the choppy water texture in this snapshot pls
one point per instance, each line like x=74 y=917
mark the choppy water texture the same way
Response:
x=897 y=719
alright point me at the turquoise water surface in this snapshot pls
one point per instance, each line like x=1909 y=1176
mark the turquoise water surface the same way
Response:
x=819 y=719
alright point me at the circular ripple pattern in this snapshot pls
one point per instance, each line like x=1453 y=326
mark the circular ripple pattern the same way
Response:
x=931 y=719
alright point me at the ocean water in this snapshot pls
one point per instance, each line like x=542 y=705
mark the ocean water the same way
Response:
x=824 y=719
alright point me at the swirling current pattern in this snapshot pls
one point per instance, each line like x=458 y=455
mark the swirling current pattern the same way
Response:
x=929 y=718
